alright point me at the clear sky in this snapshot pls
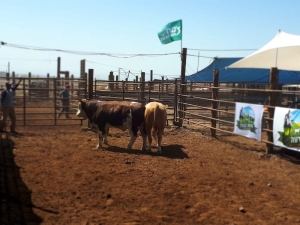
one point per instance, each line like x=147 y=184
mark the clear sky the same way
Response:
x=119 y=27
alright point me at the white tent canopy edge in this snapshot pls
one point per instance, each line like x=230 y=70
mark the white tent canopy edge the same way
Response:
x=283 y=52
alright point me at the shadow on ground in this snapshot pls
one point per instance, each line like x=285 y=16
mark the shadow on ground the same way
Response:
x=240 y=145
x=15 y=205
x=168 y=151
x=284 y=153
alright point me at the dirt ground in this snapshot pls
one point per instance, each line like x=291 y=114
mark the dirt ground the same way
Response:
x=54 y=175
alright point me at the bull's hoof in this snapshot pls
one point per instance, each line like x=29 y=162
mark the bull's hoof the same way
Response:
x=178 y=124
x=105 y=142
x=159 y=150
x=144 y=148
x=99 y=147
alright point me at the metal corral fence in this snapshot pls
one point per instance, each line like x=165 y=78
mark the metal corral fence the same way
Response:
x=208 y=105
x=37 y=100
x=213 y=106
x=143 y=92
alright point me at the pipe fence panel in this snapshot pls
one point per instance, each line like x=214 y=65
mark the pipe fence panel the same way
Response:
x=197 y=105
x=37 y=100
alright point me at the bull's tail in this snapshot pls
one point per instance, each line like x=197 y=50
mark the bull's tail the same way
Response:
x=154 y=127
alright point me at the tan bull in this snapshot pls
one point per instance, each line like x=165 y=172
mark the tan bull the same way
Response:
x=155 y=122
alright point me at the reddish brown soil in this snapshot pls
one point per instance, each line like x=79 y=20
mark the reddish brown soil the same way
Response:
x=54 y=175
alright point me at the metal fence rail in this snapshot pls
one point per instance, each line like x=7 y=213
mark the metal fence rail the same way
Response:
x=199 y=104
x=37 y=100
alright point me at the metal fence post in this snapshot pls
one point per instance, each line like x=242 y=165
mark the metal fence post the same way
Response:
x=24 y=103
x=123 y=90
x=175 y=101
x=91 y=79
x=55 y=99
x=214 y=112
x=149 y=91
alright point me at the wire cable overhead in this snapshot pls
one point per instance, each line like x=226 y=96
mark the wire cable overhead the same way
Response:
x=116 y=55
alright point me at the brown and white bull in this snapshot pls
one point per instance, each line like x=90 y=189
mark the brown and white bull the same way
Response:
x=155 y=122
x=120 y=114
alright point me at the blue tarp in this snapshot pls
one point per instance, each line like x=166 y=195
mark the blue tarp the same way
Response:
x=241 y=75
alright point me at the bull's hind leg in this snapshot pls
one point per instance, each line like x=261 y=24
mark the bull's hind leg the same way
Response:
x=159 y=140
x=99 y=146
x=105 y=135
x=149 y=140
x=101 y=133
x=132 y=139
x=144 y=135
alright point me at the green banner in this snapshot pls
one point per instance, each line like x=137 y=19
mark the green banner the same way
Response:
x=171 y=32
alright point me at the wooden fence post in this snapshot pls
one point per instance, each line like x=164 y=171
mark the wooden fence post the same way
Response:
x=111 y=80
x=85 y=84
x=72 y=84
x=13 y=77
x=136 y=85
x=24 y=104
x=151 y=79
x=47 y=85
x=29 y=86
x=55 y=100
x=149 y=91
x=123 y=90
x=167 y=85
x=58 y=67
x=182 y=86
x=273 y=98
x=175 y=101
x=159 y=90
x=91 y=80
x=142 y=89
x=95 y=89
x=214 y=112
x=117 y=82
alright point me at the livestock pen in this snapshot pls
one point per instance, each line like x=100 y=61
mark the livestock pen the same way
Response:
x=202 y=105
x=37 y=100
x=52 y=174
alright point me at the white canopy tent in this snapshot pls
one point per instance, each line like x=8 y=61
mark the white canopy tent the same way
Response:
x=283 y=52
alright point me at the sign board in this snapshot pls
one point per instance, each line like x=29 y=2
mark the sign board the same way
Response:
x=286 y=128
x=248 y=120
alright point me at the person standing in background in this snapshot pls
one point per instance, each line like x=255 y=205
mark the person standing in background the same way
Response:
x=65 y=101
x=7 y=106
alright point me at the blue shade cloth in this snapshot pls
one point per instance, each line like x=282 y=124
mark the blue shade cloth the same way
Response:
x=241 y=75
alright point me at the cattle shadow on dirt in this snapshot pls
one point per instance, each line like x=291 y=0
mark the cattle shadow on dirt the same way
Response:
x=168 y=151
x=16 y=206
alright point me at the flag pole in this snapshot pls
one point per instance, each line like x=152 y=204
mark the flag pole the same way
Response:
x=181 y=41
x=181 y=44
x=181 y=37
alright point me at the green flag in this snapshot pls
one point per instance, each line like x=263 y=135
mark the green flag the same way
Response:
x=171 y=32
